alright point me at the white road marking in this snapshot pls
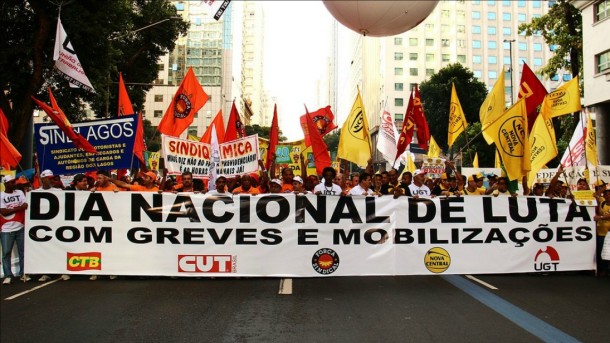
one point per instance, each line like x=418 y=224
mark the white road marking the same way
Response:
x=32 y=290
x=285 y=286
x=481 y=282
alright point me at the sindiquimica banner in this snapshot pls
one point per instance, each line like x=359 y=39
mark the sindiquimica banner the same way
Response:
x=132 y=233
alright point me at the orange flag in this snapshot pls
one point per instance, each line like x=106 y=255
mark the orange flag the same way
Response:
x=9 y=156
x=60 y=119
x=323 y=121
x=124 y=101
x=190 y=98
x=220 y=129
x=274 y=135
x=139 y=145
x=235 y=128
x=321 y=156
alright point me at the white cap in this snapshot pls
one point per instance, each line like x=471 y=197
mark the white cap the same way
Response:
x=419 y=172
x=46 y=173
x=219 y=176
x=278 y=181
x=298 y=179
x=7 y=178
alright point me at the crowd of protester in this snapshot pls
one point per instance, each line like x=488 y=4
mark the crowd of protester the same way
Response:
x=366 y=182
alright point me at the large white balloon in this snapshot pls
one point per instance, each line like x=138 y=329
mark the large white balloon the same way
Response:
x=380 y=18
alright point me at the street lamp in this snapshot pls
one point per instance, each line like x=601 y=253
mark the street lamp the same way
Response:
x=510 y=68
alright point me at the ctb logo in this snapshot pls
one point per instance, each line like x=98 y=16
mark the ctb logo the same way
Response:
x=84 y=261
x=206 y=263
x=546 y=260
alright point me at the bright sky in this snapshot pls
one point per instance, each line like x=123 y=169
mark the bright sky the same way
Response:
x=297 y=44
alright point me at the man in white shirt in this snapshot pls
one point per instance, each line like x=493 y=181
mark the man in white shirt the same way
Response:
x=417 y=187
x=328 y=187
x=364 y=187
x=12 y=224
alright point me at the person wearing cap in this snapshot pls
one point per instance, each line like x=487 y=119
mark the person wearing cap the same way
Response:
x=23 y=184
x=492 y=180
x=417 y=187
x=327 y=187
x=471 y=188
x=582 y=184
x=275 y=186
x=246 y=186
x=46 y=181
x=600 y=187
x=148 y=179
x=221 y=186
x=602 y=219
x=298 y=187
x=12 y=227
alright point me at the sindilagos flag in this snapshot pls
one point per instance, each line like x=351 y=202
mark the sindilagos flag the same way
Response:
x=406 y=132
x=493 y=107
x=66 y=61
x=190 y=98
x=533 y=91
x=421 y=124
x=235 y=128
x=323 y=120
x=355 y=141
x=457 y=119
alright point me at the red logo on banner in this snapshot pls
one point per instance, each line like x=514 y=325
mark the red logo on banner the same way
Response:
x=84 y=261
x=549 y=260
x=206 y=263
x=325 y=261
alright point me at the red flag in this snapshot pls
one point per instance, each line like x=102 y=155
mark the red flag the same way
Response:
x=274 y=136
x=3 y=123
x=220 y=129
x=533 y=91
x=419 y=118
x=406 y=133
x=139 y=145
x=124 y=101
x=60 y=119
x=235 y=128
x=9 y=156
x=190 y=98
x=321 y=156
x=323 y=120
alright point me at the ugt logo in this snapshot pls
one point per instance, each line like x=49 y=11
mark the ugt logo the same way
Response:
x=543 y=265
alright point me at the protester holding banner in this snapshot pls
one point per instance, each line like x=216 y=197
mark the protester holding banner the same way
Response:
x=471 y=188
x=298 y=187
x=603 y=227
x=79 y=183
x=187 y=185
x=103 y=183
x=417 y=187
x=12 y=223
x=328 y=187
x=148 y=178
x=340 y=181
x=275 y=186
x=221 y=186
x=246 y=186
x=502 y=188
x=364 y=187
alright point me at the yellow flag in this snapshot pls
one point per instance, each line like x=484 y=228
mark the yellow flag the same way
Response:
x=564 y=100
x=542 y=143
x=410 y=164
x=475 y=162
x=355 y=141
x=509 y=132
x=434 y=150
x=457 y=120
x=590 y=143
x=493 y=106
x=498 y=161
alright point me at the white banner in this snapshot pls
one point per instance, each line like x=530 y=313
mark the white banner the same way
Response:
x=67 y=62
x=237 y=157
x=131 y=233
x=572 y=174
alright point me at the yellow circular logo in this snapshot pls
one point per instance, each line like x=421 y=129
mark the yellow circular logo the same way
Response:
x=437 y=260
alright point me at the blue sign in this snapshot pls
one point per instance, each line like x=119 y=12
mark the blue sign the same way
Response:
x=112 y=138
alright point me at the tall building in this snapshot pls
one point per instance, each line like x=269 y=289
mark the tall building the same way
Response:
x=207 y=48
x=253 y=100
x=481 y=35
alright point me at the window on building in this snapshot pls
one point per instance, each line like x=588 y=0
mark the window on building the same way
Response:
x=476 y=59
x=160 y=67
x=522 y=46
x=398 y=101
x=537 y=46
x=476 y=2
x=602 y=10
x=492 y=59
x=506 y=16
x=158 y=97
x=192 y=130
x=506 y=60
x=553 y=47
x=555 y=77
x=476 y=15
x=445 y=14
x=180 y=6
x=521 y=17
x=397 y=41
x=537 y=4
x=521 y=3
x=429 y=42
x=399 y=86
x=398 y=56
x=429 y=72
x=461 y=15
x=491 y=15
x=506 y=31
x=491 y=30
x=413 y=72
x=476 y=44
x=461 y=43
x=522 y=59
x=492 y=74
x=158 y=113
x=429 y=27
x=461 y=59
x=429 y=57
x=412 y=41
x=445 y=57
x=506 y=3
x=398 y=71
x=398 y=117
x=444 y=28
x=445 y=43
x=537 y=62
x=492 y=44
x=461 y=28
x=476 y=29
x=413 y=56
x=477 y=74
x=602 y=62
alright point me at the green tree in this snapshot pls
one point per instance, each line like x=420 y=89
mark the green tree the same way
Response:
x=101 y=33
x=561 y=28
x=262 y=131
x=332 y=141
x=436 y=96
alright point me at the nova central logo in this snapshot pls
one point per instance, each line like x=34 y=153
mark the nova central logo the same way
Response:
x=84 y=261
x=207 y=263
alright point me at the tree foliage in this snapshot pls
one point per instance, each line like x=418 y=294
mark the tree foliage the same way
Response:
x=561 y=28
x=101 y=33
x=262 y=131
x=332 y=141
x=436 y=97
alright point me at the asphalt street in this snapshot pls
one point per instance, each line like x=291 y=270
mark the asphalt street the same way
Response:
x=562 y=307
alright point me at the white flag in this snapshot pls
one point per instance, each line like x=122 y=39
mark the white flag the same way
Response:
x=575 y=154
x=386 y=141
x=66 y=61
x=214 y=159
